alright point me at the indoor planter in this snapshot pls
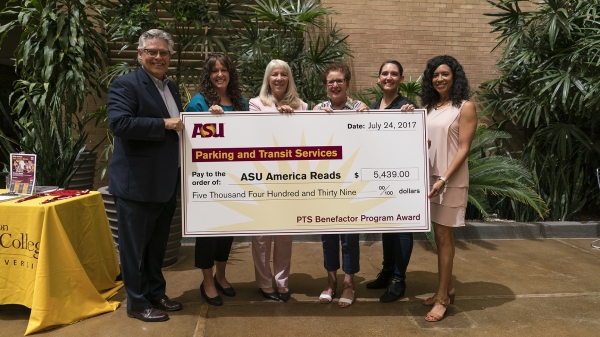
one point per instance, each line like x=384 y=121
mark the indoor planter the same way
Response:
x=174 y=242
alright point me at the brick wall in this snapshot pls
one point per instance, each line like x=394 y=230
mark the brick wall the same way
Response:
x=412 y=32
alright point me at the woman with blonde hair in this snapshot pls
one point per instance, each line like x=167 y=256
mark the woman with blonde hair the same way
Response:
x=277 y=94
x=278 y=91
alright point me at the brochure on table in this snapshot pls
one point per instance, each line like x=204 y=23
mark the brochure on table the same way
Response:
x=22 y=176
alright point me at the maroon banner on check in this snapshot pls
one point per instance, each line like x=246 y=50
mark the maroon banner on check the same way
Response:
x=267 y=153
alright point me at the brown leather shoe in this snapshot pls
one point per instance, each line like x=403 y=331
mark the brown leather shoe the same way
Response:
x=149 y=315
x=165 y=304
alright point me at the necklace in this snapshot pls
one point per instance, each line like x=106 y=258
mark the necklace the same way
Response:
x=384 y=104
x=441 y=104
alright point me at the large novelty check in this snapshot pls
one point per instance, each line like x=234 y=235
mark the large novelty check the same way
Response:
x=247 y=173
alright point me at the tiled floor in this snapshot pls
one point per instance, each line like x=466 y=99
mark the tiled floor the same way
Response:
x=544 y=287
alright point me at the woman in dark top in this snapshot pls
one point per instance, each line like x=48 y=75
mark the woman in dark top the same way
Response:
x=397 y=247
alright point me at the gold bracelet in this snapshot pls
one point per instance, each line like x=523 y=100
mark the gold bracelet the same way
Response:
x=444 y=180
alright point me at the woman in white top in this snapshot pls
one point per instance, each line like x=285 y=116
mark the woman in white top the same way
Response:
x=278 y=94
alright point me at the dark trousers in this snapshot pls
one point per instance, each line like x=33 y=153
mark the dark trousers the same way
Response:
x=211 y=249
x=350 y=252
x=397 y=248
x=143 y=235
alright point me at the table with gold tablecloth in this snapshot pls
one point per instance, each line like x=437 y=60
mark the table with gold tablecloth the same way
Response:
x=58 y=259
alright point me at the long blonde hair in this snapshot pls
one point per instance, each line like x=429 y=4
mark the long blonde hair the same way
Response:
x=290 y=98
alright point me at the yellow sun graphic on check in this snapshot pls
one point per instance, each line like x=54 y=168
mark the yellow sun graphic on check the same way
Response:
x=327 y=197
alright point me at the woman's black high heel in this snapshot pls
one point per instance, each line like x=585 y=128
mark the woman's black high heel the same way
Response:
x=218 y=301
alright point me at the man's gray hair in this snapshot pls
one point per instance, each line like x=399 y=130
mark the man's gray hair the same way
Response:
x=156 y=34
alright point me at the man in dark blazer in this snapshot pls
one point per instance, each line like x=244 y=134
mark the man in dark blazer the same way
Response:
x=143 y=114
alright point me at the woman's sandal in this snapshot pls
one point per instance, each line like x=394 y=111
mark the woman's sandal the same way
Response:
x=326 y=298
x=431 y=300
x=432 y=316
x=346 y=300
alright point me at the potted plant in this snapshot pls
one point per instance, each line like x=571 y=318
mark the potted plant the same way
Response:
x=58 y=58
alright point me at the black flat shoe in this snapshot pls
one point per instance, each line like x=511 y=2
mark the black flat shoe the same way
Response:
x=270 y=296
x=214 y=300
x=284 y=296
x=381 y=281
x=395 y=291
x=148 y=315
x=226 y=291
x=166 y=304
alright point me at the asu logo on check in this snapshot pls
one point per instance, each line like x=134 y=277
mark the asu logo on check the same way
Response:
x=209 y=130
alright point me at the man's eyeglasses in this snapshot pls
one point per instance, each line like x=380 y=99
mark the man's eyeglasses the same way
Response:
x=338 y=82
x=154 y=52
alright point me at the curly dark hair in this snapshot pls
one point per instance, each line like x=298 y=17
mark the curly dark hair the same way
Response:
x=233 y=88
x=460 y=85
x=342 y=68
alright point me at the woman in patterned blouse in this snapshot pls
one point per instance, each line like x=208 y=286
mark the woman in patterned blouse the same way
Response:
x=337 y=79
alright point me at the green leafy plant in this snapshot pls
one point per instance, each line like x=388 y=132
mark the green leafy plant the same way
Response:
x=197 y=26
x=297 y=32
x=549 y=87
x=60 y=55
x=59 y=59
x=126 y=20
x=56 y=143
x=197 y=29
x=497 y=177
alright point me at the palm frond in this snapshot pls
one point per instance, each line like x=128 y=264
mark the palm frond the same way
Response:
x=549 y=86
x=498 y=175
